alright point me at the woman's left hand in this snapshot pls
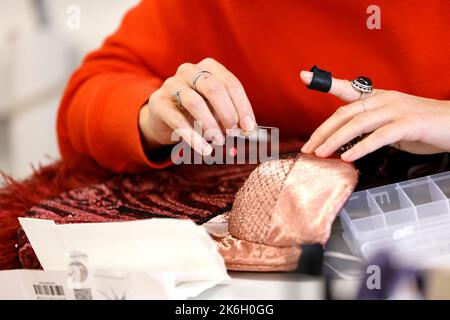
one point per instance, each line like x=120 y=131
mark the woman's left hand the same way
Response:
x=414 y=124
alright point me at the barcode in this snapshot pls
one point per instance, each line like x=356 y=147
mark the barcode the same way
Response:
x=48 y=290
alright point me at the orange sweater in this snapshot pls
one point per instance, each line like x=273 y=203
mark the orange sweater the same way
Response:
x=265 y=44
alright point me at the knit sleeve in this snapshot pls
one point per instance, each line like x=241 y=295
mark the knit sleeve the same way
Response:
x=98 y=115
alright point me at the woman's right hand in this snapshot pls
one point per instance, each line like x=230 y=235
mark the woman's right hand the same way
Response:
x=219 y=103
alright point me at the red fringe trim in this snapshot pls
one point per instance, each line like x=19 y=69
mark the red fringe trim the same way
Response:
x=16 y=198
x=46 y=182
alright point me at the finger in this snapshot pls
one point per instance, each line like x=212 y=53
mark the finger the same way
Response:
x=417 y=147
x=364 y=122
x=338 y=119
x=340 y=88
x=247 y=120
x=212 y=89
x=173 y=117
x=194 y=103
x=383 y=136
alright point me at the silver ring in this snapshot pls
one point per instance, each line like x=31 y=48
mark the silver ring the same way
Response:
x=363 y=85
x=364 y=105
x=197 y=76
x=176 y=97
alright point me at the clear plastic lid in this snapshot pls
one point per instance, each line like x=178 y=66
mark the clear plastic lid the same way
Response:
x=399 y=215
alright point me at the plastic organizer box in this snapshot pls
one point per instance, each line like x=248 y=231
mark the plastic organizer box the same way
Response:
x=410 y=219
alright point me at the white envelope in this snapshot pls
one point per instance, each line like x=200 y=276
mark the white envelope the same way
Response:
x=179 y=252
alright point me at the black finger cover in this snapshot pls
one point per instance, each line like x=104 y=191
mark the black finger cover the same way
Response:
x=321 y=80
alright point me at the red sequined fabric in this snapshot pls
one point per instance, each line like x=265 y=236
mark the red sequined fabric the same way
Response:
x=196 y=192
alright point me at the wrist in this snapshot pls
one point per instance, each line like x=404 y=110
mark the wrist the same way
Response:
x=147 y=135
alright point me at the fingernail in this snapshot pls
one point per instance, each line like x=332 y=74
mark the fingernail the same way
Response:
x=321 y=150
x=306 y=147
x=206 y=150
x=306 y=76
x=219 y=140
x=347 y=155
x=233 y=131
x=248 y=124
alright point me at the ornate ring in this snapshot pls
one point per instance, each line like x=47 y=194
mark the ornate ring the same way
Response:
x=197 y=76
x=176 y=97
x=362 y=84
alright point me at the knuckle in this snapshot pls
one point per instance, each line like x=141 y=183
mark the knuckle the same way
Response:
x=169 y=82
x=208 y=60
x=184 y=67
x=142 y=112
x=157 y=97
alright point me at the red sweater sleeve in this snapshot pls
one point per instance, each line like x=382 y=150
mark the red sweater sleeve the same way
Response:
x=98 y=115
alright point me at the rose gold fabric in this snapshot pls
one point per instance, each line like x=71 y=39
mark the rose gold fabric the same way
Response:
x=282 y=204
x=241 y=255
x=299 y=208
x=255 y=201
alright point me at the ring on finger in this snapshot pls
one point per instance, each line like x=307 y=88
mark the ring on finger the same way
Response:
x=197 y=77
x=176 y=97
x=363 y=85
x=364 y=103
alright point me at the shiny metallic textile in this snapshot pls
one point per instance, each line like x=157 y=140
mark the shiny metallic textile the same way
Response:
x=243 y=255
x=292 y=201
x=281 y=205
x=195 y=192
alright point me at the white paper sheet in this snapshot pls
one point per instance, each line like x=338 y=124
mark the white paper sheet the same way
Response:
x=180 y=253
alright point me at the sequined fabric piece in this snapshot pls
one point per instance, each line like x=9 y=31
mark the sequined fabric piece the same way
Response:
x=280 y=205
x=197 y=192
x=255 y=201
x=308 y=193
x=242 y=255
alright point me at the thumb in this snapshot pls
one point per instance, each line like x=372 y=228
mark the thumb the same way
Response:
x=340 y=88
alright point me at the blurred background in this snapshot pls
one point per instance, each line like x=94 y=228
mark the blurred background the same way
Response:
x=41 y=43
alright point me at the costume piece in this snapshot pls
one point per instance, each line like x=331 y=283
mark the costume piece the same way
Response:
x=242 y=255
x=283 y=204
x=321 y=80
x=385 y=166
x=292 y=201
x=196 y=192
x=18 y=197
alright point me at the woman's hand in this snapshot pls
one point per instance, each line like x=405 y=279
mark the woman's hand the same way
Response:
x=219 y=102
x=414 y=124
